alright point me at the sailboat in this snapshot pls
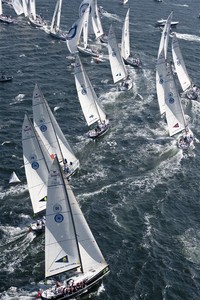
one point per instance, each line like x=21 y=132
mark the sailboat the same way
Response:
x=91 y=108
x=70 y=247
x=51 y=134
x=3 y=18
x=175 y=116
x=73 y=36
x=14 y=178
x=118 y=68
x=161 y=64
x=125 y=46
x=86 y=9
x=55 y=23
x=187 y=86
x=30 y=12
x=37 y=163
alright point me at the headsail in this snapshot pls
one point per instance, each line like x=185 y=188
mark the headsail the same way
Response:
x=118 y=68
x=14 y=178
x=18 y=8
x=37 y=165
x=69 y=242
x=49 y=130
x=87 y=96
x=179 y=65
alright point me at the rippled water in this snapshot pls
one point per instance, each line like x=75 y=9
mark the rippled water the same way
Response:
x=138 y=193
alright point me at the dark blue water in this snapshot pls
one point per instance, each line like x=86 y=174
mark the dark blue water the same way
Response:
x=138 y=193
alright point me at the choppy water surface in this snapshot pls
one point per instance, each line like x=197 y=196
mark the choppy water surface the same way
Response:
x=138 y=193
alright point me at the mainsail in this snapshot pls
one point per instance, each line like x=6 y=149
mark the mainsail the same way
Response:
x=164 y=41
x=18 y=8
x=161 y=72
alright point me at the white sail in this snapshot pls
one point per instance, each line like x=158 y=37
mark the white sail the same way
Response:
x=32 y=9
x=85 y=27
x=14 y=178
x=25 y=7
x=1 y=9
x=69 y=242
x=55 y=23
x=96 y=20
x=165 y=36
x=74 y=33
x=174 y=112
x=87 y=96
x=118 y=68
x=18 y=8
x=37 y=165
x=161 y=72
x=179 y=65
x=125 y=47
x=49 y=130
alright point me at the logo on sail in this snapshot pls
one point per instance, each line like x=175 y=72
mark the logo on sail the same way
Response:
x=35 y=165
x=72 y=32
x=57 y=208
x=63 y=259
x=58 y=218
x=43 y=128
x=176 y=125
x=83 y=91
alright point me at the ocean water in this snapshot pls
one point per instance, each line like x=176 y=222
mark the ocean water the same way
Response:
x=138 y=193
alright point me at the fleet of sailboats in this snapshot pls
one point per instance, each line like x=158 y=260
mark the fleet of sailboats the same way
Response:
x=70 y=247
x=91 y=108
x=49 y=161
x=118 y=68
x=187 y=86
x=125 y=45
